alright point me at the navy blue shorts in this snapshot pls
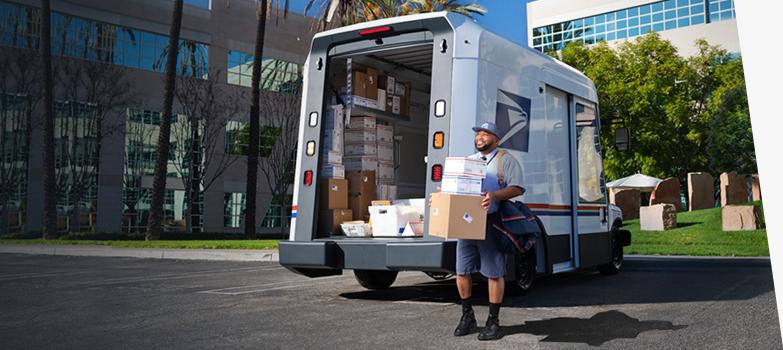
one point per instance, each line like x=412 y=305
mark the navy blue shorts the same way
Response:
x=482 y=256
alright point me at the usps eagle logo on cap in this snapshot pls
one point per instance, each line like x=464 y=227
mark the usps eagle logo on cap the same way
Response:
x=512 y=117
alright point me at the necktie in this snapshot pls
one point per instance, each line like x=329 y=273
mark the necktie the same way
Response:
x=484 y=158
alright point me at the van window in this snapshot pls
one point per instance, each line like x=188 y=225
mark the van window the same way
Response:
x=591 y=183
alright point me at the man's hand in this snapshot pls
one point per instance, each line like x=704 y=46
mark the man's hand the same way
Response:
x=489 y=197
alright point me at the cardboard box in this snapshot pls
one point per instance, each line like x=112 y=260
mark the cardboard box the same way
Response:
x=457 y=216
x=393 y=104
x=361 y=192
x=356 y=229
x=359 y=84
x=381 y=99
x=332 y=157
x=360 y=135
x=385 y=151
x=363 y=122
x=385 y=170
x=332 y=141
x=333 y=171
x=384 y=133
x=461 y=185
x=361 y=149
x=359 y=163
x=391 y=84
x=371 y=84
x=399 y=89
x=361 y=101
x=329 y=221
x=335 y=117
x=463 y=166
x=387 y=191
x=405 y=100
x=334 y=194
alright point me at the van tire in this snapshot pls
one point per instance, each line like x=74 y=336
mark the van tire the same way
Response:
x=375 y=279
x=525 y=273
x=614 y=266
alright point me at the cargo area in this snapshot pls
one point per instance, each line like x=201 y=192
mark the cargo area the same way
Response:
x=374 y=142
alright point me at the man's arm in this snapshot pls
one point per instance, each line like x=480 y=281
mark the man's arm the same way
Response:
x=502 y=194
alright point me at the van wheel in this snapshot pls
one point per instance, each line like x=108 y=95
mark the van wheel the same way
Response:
x=616 y=264
x=375 y=279
x=525 y=273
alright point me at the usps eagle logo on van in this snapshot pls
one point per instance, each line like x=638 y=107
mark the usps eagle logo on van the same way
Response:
x=512 y=116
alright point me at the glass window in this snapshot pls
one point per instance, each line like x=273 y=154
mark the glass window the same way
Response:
x=633 y=22
x=683 y=22
x=234 y=206
x=588 y=21
x=600 y=28
x=633 y=12
x=714 y=17
x=621 y=34
x=699 y=19
x=536 y=33
x=697 y=9
x=671 y=14
x=656 y=7
x=600 y=19
x=536 y=41
x=621 y=24
x=669 y=4
x=725 y=5
x=610 y=27
x=610 y=17
x=633 y=31
x=557 y=37
x=681 y=3
x=577 y=23
x=556 y=28
x=620 y=14
x=726 y=15
x=683 y=12
x=645 y=29
x=644 y=19
x=590 y=167
x=643 y=10
x=657 y=27
x=713 y=7
x=657 y=17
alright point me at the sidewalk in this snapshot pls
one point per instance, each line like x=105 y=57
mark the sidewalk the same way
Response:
x=150 y=253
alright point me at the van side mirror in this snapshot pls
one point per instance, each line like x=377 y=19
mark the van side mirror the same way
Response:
x=622 y=139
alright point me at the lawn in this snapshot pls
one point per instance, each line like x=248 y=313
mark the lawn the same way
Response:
x=698 y=233
x=179 y=244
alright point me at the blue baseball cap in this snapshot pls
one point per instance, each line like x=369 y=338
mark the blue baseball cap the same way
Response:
x=488 y=127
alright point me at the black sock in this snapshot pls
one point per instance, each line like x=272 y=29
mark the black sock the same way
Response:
x=494 y=310
x=467 y=306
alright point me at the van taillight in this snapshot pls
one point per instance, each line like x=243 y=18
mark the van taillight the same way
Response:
x=437 y=140
x=308 y=178
x=376 y=30
x=437 y=172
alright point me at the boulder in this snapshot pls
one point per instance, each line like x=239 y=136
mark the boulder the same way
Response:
x=629 y=201
x=658 y=217
x=733 y=189
x=667 y=191
x=740 y=218
x=700 y=191
x=756 y=187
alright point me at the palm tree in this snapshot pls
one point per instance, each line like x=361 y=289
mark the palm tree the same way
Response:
x=50 y=192
x=155 y=225
x=354 y=11
x=422 y=6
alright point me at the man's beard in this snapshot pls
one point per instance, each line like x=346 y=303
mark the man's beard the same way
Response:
x=486 y=147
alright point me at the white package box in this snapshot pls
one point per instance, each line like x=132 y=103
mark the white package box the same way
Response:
x=385 y=170
x=399 y=89
x=362 y=123
x=332 y=140
x=361 y=101
x=386 y=191
x=384 y=133
x=333 y=157
x=333 y=171
x=385 y=151
x=335 y=117
x=360 y=163
x=461 y=185
x=381 y=99
x=356 y=229
x=463 y=166
x=360 y=135
x=361 y=149
x=390 y=220
x=391 y=85
x=395 y=100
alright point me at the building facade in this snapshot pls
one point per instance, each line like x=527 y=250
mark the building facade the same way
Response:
x=109 y=96
x=554 y=23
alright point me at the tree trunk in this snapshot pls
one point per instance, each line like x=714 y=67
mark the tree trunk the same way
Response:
x=255 y=125
x=283 y=216
x=155 y=224
x=195 y=160
x=50 y=192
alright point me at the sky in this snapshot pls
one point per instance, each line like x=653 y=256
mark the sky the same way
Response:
x=504 y=17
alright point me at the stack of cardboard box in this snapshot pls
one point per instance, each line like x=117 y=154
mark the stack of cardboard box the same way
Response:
x=361 y=193
x=333 y=206
x=385 y=175
x=397 y=95
x=377 y=91
x=332 y=149
x=456 y=211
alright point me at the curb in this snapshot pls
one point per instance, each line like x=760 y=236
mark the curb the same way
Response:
x=148 y=253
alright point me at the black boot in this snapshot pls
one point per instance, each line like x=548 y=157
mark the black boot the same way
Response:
x=491 y=330
x=466 y=323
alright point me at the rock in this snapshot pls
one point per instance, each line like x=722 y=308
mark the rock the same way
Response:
x=756 y=187
x=667 y=191
x=700 y=191
x=733 y=189
x=628 y=200
x=658 y=217
x=740 y=218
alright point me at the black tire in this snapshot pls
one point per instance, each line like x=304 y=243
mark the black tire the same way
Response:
x=524 y=273
x=616 y=264
x=375 y=279
x=439 y=276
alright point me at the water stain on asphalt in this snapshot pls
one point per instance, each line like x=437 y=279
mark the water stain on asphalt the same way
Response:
x=596 y=330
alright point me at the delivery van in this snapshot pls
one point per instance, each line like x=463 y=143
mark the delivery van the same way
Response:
x=386 y=102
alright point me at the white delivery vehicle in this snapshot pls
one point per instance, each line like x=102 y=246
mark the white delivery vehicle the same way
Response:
x=460 y=75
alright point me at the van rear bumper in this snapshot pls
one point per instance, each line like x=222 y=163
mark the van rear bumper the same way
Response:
x=367 y=254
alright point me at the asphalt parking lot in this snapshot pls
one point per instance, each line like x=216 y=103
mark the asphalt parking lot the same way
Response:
x=655 y=303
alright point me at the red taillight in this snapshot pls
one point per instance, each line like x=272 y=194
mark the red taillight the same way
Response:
x=377 y=30
x=308 y=178
x=437 y=172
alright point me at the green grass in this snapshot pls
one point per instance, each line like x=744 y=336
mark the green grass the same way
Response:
x=698 y=233
x=183 y=244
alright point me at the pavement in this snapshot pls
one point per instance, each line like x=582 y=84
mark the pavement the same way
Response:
x=150 y=253
x=78 y=302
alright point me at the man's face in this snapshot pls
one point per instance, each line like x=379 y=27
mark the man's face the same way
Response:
x=485 y=142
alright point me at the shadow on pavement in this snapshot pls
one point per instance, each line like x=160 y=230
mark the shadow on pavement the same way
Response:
x=643 y=280
x=601 y=328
